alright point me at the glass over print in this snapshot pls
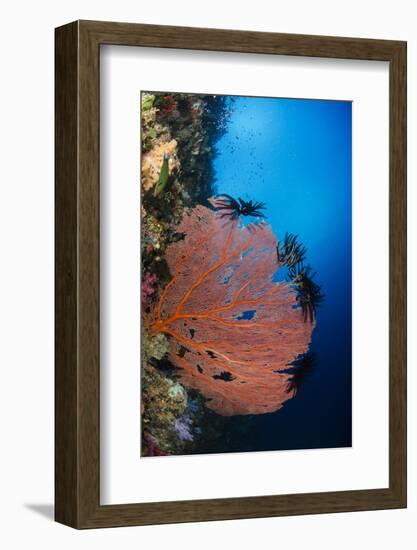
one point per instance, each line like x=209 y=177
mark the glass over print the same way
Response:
x=246 y=255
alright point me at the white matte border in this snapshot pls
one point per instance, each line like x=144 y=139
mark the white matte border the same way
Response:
x=125 y=71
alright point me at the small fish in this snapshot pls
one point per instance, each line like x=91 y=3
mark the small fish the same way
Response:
x=163 y=176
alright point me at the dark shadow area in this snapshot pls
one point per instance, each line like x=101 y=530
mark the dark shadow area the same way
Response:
x=45 y=510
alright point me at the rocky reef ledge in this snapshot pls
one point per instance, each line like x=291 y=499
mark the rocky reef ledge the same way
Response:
x=178 y=143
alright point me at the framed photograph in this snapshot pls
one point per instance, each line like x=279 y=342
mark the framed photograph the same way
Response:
x=230 y=274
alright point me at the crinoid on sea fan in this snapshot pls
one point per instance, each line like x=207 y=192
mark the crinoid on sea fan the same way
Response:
x=228 y=207
x=290 y=252
x=309 y=295
x=300 y=369
x=232 y=329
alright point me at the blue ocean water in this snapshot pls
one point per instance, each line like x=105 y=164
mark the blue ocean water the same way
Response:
x=296 y=156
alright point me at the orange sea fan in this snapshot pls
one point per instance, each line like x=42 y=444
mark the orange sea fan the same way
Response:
x=231 y=328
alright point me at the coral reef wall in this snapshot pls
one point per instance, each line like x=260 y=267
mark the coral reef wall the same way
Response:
x=179 y=130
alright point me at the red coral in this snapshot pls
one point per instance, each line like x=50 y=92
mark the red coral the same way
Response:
x=169 y=104
x=232 y=328
x=148 y=287
x=150 y=446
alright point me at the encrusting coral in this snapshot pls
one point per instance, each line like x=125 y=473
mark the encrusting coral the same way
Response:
x=152 y=162
x=182 y=426
x=155 y=346
x=148 y=287
x=232 y=329
x=163 y=401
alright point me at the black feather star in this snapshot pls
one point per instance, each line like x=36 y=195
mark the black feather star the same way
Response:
x=300 y=369
x=232 y=208
x=290 y=252
x=309 y=296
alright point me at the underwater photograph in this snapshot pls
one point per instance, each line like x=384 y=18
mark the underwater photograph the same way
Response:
x=246 y=274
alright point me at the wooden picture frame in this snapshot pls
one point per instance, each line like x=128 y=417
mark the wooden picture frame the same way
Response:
x=77 y=405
